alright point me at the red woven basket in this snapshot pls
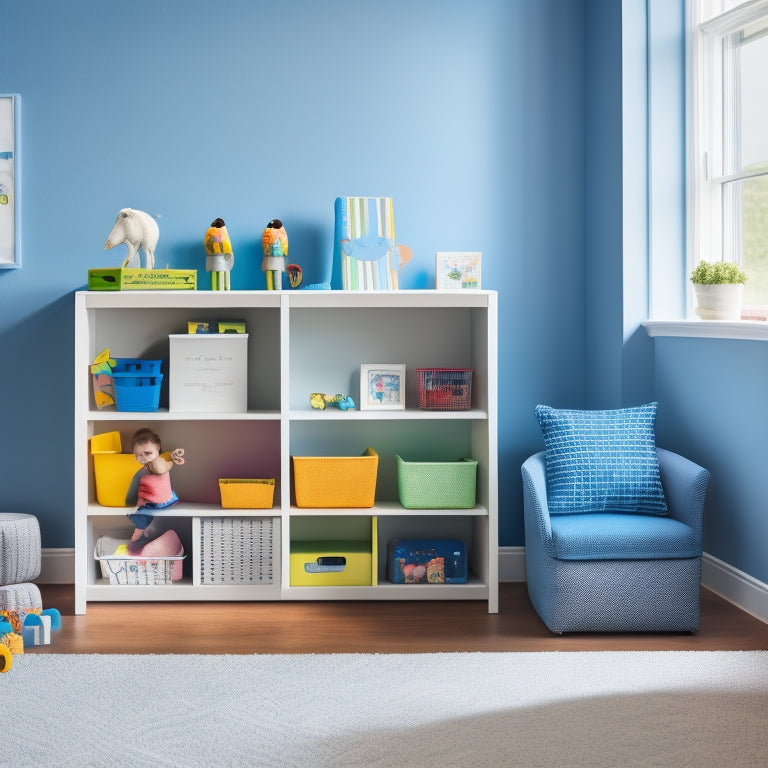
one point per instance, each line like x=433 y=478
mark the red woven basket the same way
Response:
x=444 y=389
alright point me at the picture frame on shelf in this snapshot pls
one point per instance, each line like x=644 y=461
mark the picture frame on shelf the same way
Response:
x=458 y=270
x=10 y=174
x=382 y=387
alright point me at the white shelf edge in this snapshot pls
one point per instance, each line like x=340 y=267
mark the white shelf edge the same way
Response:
x=183 y=590
x=181 y=299
x=387 y=509
x=414 y=414
x=473 y=590
x=756 y=330
x=166 y=415
x=185 y=509
x=380 y=509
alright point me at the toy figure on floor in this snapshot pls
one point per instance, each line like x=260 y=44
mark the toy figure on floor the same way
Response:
x=155 y=491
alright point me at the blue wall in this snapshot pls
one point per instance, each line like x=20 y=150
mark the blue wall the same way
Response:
x=471 y=116
x=713 y=393
x=514 y=127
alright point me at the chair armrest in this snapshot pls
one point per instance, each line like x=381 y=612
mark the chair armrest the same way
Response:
x=685 y=487
x=535 y=509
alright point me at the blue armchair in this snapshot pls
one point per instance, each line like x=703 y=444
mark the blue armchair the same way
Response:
x=613 y=571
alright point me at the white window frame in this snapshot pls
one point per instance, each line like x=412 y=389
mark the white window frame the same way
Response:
x=710 y=98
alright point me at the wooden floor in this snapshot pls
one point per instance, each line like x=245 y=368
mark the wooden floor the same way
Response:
x=372 y=627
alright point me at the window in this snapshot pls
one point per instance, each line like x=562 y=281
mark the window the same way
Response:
x=728 y=215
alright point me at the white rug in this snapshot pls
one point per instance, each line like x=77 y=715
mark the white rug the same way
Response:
x=616 y=710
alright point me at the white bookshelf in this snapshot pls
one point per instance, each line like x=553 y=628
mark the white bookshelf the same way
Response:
x=298 y=342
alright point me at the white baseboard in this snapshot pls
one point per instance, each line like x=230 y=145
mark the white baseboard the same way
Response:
x=57 y=566
x=735 y=586
x=739 y=588
x=512 y=564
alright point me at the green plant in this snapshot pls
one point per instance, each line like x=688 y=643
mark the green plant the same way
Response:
x=718 y=273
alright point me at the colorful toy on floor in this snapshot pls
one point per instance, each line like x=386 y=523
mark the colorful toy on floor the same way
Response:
x=321 y=402
x=24 y=629
x=219 y=258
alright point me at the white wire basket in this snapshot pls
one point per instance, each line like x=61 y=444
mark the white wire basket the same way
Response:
x=123 y=569
x=236 y=551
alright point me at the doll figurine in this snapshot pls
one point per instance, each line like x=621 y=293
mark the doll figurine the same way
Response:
x=155 y=491
x=219 y=258
x=274 y=243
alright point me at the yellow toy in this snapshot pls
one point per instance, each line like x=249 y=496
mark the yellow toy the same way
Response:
x=274 y=243
x=219 y=258
x=103 y=383
x=10 y=643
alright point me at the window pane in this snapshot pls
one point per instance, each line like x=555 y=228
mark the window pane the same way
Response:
x=753 y=58
x=754 y=238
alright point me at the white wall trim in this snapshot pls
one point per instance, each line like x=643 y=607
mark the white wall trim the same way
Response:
x=511 y=563
x=735 y=586
x=57 y=566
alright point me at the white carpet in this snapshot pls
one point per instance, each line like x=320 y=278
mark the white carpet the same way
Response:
x=616 y=710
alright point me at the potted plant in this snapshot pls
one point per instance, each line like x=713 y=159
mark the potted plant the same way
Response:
x=719 y=290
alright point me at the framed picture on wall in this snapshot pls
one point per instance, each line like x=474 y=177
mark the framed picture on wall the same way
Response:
x=382 y=387
x=458 y=270
x=10 y=207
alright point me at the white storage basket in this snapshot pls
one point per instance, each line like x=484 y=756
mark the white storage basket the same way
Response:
x=236 y=551
x=124 y=569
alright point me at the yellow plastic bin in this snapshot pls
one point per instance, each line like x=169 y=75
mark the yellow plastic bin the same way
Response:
x=331 y=563
x=114 y=472
x=247 y=493
x=335 y=481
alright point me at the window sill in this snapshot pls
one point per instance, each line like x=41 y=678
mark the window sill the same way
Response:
x=709 y=329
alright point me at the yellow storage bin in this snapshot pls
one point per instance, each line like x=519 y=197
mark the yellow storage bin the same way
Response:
x=331 y=563
x=335 y=481
x=247 y=493
x=114 y=472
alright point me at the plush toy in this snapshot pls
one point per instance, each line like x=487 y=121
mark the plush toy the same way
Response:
x=155 y=490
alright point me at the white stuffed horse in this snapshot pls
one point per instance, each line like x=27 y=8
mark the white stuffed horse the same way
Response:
x=137 y=230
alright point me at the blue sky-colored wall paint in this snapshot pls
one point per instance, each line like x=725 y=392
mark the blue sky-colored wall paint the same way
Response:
x=713 y=408
x=471 y=118
x=495 y=127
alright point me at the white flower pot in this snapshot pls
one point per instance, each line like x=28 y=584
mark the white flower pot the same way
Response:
x=719 y=302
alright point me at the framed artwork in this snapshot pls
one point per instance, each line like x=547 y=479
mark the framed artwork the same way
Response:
x=10 y=207
x=458 y=270
x=382 y=387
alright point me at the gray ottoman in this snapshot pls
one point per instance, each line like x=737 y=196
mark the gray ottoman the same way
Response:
x=19 y=548
x=20 y=598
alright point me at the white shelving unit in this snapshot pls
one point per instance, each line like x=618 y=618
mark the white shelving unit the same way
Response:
x=299 y=342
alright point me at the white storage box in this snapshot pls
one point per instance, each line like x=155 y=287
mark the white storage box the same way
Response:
x=236 y=551
x=124 y=569
x=208 y=372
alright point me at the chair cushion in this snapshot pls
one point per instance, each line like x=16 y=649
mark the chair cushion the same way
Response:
x=606 y=536
x=602 y=461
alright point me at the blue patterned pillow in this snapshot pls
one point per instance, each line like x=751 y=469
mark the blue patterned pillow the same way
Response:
x=602 y=461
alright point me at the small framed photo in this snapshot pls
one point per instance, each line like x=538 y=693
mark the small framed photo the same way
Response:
x=382 y=387
x=457 y=270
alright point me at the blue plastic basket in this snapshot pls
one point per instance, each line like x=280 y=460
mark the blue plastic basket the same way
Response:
x=136 y=366
x=137 y=384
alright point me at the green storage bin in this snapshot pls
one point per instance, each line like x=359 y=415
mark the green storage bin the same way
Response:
x=436 y=484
